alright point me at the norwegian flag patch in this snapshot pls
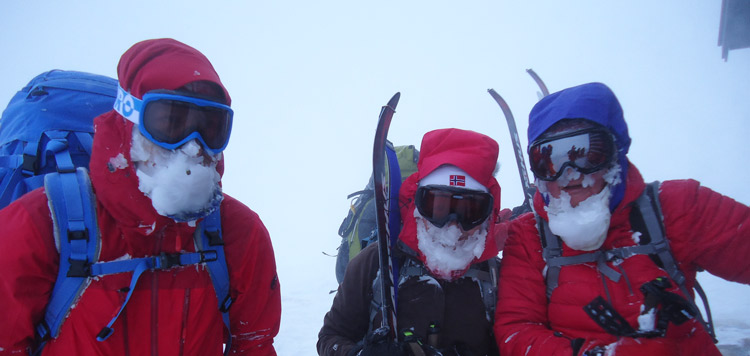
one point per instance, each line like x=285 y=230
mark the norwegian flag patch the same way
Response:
x=458 y=180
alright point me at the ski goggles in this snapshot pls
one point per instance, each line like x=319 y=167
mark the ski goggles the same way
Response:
x=440 y=204
x=587 y=150
x=170 y=119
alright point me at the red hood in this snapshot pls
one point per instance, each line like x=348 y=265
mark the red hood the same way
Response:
x=474 y=153
x=147 y=65
x=164 y=64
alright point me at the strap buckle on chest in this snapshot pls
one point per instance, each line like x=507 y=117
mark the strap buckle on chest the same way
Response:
x=551 y=252
x=167 y=260
x=208 y=256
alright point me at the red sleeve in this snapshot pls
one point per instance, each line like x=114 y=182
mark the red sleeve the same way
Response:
x=521 y=324
x=29 y=266
x=255 y=315
x=707 y=230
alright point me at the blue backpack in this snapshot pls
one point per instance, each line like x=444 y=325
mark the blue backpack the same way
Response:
x=46 y=135
x=52 y=114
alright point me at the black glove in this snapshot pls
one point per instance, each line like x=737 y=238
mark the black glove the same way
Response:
x=379 y=343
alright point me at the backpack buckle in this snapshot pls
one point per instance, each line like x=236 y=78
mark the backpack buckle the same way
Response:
x=208 y=256
x=29 y=163
x=79 y=268
x=43 y=332
x=551 y=252
x=214 y=238
x=224 y=306
x=78 y=235
x=167 y=261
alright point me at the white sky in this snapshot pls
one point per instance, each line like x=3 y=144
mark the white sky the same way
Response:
x=308 y=78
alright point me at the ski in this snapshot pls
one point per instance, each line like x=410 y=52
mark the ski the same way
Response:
x=528 y=191
x=539 y=82
x=387 y=180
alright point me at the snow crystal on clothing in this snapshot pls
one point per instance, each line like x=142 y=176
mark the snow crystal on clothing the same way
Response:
x=148 y=229
x=117 y=162
x=253 y=335
x=122 y=258
x=637 y=237
x=647 y=322
x=511 y=337
x=429 y=280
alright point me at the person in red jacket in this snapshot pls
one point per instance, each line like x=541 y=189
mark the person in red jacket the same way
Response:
x=449 y=242
x=587 y=189
x=156 y=174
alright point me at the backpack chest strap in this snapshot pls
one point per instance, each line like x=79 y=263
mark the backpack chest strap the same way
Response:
x=601 y=258
x=160 y=262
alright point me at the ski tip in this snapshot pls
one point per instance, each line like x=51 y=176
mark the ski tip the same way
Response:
x=394 y=101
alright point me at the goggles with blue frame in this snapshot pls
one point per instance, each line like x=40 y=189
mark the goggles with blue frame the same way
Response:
x=170 y=119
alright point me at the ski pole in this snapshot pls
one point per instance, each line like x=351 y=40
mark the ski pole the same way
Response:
x=433 y=334
x=413 y=342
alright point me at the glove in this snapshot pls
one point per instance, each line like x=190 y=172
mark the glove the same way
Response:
x=378 y=343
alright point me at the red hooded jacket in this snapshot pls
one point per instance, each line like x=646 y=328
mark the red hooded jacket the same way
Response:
x=705 y=230
x=456 y=306
x=172 y=312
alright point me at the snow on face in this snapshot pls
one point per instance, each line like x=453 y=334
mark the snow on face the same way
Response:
x=583 y=227
x=449 y=250
x=183 y=184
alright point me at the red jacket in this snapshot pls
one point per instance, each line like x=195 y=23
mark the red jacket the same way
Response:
x=705 y=230
x=172 y=312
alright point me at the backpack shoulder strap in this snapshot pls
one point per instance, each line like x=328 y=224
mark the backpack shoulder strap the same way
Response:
x=210 y=242
x=73 y=209
x=650 y=211
x=72 y=204
x=487 y=281
x=551 y=250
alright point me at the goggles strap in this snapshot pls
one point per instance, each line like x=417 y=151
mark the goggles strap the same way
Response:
x=128 y=105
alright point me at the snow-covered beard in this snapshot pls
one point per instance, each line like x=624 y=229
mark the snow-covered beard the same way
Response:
x=583 y=227
x=182 y=184
x=446 y=255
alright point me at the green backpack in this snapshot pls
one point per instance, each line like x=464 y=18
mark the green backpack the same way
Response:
x=359 y=227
